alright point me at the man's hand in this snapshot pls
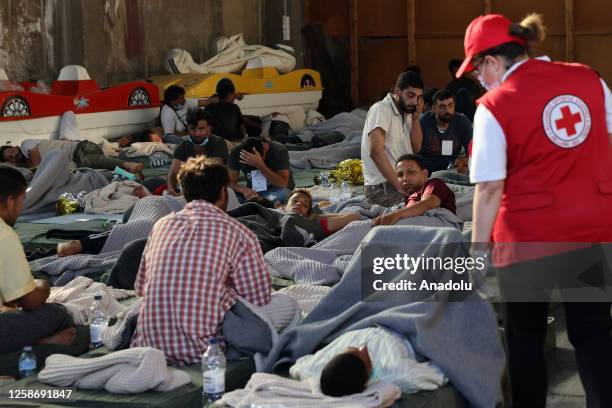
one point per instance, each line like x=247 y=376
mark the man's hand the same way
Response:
x=253 y=159
x=419 y=110
x=461 y=164
x=249 y=193
x=386 y=219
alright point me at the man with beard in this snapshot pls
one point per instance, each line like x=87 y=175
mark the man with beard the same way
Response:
x=200 y=142
x=445 y=132
x=422 y=194
x=391 y=130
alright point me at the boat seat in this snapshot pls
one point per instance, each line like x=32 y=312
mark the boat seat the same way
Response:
x=73 y=80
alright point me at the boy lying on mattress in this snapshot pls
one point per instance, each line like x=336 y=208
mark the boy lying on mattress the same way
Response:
x=359 y=358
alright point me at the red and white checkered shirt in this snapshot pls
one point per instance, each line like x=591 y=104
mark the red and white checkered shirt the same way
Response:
x=194 y=266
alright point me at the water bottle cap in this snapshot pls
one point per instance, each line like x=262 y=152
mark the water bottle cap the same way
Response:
x=97 y=296
x=213 y=340
x=27 y=348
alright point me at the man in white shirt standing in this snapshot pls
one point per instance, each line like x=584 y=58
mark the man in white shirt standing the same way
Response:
x=391 y=130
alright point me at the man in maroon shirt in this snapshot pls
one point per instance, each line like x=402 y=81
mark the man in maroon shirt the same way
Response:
x=422 y=194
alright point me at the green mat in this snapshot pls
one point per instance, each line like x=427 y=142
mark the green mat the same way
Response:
x=189 y=396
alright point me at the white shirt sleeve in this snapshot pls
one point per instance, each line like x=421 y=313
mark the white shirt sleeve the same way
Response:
x=379 y=116
x=608 y=99
x=28 y=145
x=488 y=161
x=168 y=120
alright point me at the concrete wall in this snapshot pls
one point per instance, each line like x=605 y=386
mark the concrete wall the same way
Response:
x=120 y=40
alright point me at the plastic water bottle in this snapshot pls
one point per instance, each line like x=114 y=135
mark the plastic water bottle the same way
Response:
x=346 y=190
x=27 y=363
x=334 y=193
x=97 y=323
x=213 y=373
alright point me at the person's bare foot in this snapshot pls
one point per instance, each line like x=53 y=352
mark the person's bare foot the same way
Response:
x=69 y=248
x=63 y=338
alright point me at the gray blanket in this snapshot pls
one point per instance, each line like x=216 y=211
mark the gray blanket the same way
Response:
x=324 y=262
x=54 y=177
x=328 y=157
x=64 y=270
x=277 y=229
x=461 y=338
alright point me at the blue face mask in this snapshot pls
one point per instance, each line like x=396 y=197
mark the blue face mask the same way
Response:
x=178 y=107
x=198 y=144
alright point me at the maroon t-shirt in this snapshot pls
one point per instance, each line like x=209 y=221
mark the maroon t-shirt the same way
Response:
x=438 y=188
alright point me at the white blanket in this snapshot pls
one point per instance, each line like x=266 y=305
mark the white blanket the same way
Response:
x=270 y=389
x=78 y=296
x=114 y=198
x=129 y=371
x=232 y=56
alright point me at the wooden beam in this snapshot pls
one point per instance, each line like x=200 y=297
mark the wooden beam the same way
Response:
x=411 y=23
x=354 y=49
x=487 y=7
x=569 y=30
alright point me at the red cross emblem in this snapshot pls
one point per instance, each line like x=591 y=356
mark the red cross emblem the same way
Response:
x=568 y=121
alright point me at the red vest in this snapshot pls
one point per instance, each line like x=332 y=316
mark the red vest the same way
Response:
x=558 y=185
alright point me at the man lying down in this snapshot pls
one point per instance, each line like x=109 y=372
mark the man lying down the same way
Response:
x=293 y=226
x=363 y=357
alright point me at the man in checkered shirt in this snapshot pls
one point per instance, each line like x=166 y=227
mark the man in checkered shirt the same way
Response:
x=195 y=265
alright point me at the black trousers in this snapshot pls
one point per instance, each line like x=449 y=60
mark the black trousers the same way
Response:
x=589 y=327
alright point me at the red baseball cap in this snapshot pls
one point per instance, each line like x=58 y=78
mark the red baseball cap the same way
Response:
x=485 y=32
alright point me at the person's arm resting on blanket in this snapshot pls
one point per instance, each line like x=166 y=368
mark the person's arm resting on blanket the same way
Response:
x=428 y=202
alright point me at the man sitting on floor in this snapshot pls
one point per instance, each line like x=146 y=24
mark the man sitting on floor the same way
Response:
x=300 y=203
x=83 y=153
x=422 y=194
x=25 y=317
x=265 y=165
x=227 y=119
x=196 y=264
x=200 y=141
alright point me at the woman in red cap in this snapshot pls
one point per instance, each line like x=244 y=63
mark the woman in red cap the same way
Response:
x=542 y=164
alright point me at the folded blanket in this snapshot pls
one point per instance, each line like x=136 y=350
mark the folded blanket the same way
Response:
x=78 y=296
x=65 y=269
x=140 y=149
x=115 y=198
x=271 y=389
x=129 y=371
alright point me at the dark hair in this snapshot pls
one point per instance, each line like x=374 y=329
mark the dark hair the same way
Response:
x=428 y=95
x=305 y=192
x=417 y=159
x=172 y=93
x=345 y=374
x=442 y=95
x=454 y=65
x=202 y=179
x=196 y=115
x=12 y=182
x=253 y=142
x=531 y=30
x=409 y=79
x=306 y=78
x=2 y=150
x=413 y=68
x=225 y=86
